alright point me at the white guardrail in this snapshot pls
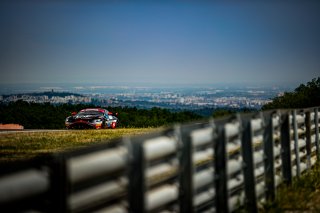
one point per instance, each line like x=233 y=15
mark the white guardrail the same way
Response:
x=215 y=166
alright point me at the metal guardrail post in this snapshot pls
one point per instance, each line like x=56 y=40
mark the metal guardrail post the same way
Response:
x=248 y=169
x=296 y=140
x=285 y=148
x=186 y=172
x=308 y=138
x=316 y=118
x=214 y=126
x=60 y=185
x=220 y=168
x=136 y=189
x=269 y=157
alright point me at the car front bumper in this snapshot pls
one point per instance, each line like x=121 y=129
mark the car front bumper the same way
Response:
x=83 y=125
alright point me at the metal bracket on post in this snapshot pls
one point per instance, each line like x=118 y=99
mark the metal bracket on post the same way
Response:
x=247 y=155
x=136 y=191
x=308 y=138
x=285 y=148
x=269 y=157
x=220 y=168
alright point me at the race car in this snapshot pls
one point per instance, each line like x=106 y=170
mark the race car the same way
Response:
x=92 y=118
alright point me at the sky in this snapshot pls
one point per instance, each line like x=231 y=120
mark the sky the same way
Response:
x=159 y=42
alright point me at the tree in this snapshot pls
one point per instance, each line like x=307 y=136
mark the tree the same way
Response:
x=222 y=112
x=302 y=97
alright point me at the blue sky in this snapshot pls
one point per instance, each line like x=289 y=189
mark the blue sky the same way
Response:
x=161 y=42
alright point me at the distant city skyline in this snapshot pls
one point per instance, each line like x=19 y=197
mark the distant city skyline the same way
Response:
x=187 y=98
x=170 y=42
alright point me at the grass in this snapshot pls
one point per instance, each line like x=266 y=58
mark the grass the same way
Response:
x=302 y=196
x=25 y=145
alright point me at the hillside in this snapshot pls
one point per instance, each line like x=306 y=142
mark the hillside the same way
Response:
x=305 y=95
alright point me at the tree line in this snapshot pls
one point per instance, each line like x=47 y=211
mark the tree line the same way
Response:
x=48 y=116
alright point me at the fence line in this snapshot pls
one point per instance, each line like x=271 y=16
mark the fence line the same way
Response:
x=212 y=166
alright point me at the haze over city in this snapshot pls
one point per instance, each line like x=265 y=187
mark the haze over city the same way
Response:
x=170 y=42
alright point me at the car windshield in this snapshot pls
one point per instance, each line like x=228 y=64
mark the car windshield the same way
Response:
x=95 y=113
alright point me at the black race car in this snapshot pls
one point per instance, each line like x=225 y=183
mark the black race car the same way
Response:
x=92 y=118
